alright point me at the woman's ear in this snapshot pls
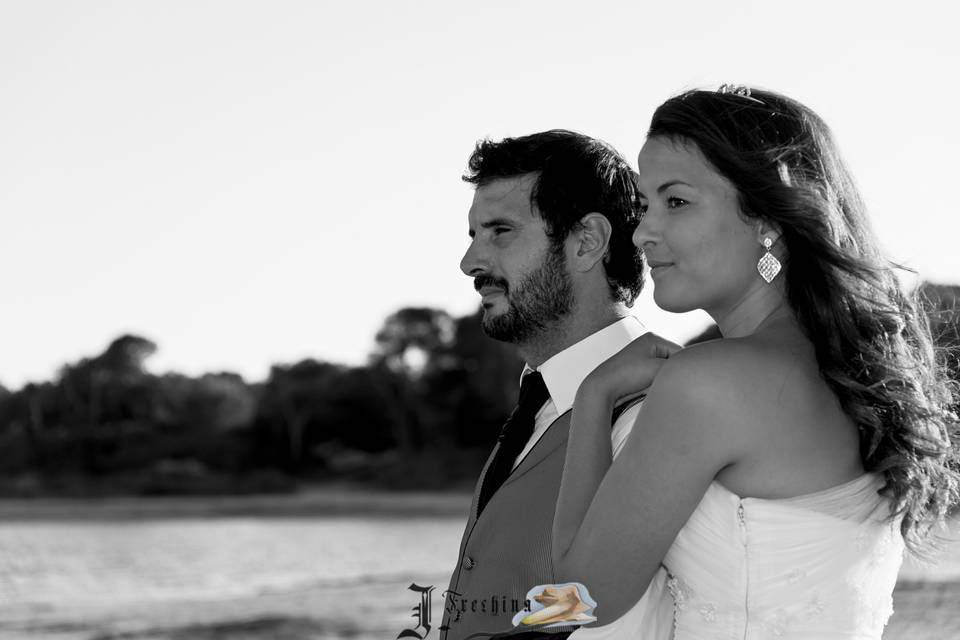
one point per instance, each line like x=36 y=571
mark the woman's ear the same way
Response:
x=767 y=229
x=592 y=241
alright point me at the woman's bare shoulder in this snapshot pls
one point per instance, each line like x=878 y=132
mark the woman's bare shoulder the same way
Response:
x=762 y=404
x=730 y=363
x=733 y=381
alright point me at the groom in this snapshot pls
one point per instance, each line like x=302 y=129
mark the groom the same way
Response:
x=552 y=259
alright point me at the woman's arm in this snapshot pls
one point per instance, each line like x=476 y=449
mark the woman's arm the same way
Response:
x=622 y=376
x=615 y=520
x=589 y=456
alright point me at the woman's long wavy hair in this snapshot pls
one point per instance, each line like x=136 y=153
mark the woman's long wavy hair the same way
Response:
x=872 y=339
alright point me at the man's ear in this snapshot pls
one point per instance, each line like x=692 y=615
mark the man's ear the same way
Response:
x=591 y=241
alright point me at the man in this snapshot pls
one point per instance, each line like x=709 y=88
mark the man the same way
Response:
x=552 y=258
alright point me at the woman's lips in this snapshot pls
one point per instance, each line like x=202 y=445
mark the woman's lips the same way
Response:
x=658 y=267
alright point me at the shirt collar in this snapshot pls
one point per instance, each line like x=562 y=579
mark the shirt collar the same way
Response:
x=564 y=372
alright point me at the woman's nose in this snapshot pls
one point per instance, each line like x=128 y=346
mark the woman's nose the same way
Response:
x=645 y=234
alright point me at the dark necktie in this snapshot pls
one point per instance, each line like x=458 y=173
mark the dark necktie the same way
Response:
x=514 y=436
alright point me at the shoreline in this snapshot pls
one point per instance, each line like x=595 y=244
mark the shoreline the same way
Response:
x=332 y=500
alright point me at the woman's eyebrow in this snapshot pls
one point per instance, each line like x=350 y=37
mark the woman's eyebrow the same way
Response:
x=667 y=185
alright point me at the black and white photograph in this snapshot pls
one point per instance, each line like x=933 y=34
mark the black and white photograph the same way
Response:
x=479 y=320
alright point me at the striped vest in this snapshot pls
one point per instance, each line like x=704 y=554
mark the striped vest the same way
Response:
x=508 y=549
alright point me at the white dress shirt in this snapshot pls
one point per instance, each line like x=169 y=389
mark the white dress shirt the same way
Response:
x=564 y=372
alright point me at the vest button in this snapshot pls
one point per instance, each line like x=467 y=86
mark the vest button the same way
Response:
x=469 y=563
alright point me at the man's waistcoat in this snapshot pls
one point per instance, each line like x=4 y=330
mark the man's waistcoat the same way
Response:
x=508 y=549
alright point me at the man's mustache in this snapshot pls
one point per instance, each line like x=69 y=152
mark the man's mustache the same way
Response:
x=489 y=281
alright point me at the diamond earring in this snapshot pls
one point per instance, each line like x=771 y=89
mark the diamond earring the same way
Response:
x=768 y=266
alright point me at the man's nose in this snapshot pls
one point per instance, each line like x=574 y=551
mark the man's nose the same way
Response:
x=473 y=262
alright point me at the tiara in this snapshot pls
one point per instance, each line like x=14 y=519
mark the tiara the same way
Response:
x=738 y=90
x=735 y=89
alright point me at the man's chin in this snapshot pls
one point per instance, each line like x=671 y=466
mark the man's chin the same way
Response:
x=498 y=325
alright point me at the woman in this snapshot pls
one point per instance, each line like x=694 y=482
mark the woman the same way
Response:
x=775 y=473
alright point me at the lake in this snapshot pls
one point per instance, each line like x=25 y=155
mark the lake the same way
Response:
x=239 y=577
x=195 y=577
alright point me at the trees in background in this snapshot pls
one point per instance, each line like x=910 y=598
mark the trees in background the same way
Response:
x=433 y=386
x=448 y=384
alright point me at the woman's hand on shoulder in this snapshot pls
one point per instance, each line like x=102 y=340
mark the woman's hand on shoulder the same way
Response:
x=630 y=371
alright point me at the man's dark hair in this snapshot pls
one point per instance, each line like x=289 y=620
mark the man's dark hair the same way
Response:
x=576 y=175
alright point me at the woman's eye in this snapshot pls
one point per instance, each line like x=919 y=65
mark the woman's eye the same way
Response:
x=675 y=203
x=643 y=208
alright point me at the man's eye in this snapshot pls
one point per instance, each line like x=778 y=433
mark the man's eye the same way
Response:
x=675 y=203
x=499 y=230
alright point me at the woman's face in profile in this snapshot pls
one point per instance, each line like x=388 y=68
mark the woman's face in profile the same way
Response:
x=702 y=254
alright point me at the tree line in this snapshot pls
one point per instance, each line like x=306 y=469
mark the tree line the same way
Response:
x=433 y=393
x=423 y=412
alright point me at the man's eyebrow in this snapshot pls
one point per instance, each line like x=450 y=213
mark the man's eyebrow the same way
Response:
x=495 y=222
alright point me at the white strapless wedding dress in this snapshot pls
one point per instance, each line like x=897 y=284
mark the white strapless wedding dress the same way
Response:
x=819 y=566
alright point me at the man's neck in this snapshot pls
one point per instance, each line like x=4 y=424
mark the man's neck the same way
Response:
x=570 y=330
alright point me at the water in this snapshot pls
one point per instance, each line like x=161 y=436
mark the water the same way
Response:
x=79 y=579
x=239 y=577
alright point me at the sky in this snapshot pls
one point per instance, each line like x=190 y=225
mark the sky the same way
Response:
x=256 y=182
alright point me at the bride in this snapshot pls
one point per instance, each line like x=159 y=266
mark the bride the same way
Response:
x=773 y=476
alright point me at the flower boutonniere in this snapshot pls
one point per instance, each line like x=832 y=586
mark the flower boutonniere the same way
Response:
x=557 y=604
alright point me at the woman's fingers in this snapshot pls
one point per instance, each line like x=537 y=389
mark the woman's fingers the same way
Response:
x=653 y=346
x=666 y=348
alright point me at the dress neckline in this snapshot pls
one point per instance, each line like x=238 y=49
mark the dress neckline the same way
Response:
x=863 y=479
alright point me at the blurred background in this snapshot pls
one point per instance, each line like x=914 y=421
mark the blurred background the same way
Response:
x=243 y=389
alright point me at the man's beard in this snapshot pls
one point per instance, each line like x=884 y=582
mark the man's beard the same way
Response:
x=541 y=299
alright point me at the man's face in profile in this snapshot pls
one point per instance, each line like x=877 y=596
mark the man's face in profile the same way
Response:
x=520 y=273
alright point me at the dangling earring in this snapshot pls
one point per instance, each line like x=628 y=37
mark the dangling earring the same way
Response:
x=768 y=266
